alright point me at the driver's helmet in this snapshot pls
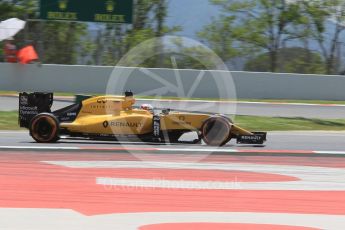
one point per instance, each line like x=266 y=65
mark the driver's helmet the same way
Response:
x=147 y=107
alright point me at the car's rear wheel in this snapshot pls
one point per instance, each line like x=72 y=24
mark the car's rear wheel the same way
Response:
x=44 y=128
x=216 y=131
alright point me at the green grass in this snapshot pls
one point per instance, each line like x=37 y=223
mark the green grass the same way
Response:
x=9 y=121
x=286 y=124
x=7 y=92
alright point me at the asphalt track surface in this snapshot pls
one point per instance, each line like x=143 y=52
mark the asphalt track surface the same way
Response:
x=290 y=141
x=242 y=108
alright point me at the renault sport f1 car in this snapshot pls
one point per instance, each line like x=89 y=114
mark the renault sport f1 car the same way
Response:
x=116 y=117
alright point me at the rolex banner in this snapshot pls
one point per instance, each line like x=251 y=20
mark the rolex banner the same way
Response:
x=109 y=11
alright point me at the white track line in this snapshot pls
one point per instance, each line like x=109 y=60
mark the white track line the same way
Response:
x=39 y=148
x=330 y=152
x=13 y=132
x=198 y=150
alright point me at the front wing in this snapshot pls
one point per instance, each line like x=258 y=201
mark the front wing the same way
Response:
x=258 y=138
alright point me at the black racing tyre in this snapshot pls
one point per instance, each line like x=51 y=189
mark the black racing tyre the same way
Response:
x=231 y=122
x=216 y=131
x=230 y=136
x=44 y=128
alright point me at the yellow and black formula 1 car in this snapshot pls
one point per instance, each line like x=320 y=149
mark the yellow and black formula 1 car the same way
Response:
x=115 y=117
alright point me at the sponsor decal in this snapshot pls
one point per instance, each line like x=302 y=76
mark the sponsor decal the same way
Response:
x=109 y=18
x=254 y=138
x=122 y=124
x=126 y=124
x=156 y=126
x=63 y=4
x=101 y=107
x=182 y=121
x=26 y=110
x=101 y=101
x=248 y=139
x=105 y=104
x=110 y=6
x=24 y=100
x=105 y=124
x=62 y=16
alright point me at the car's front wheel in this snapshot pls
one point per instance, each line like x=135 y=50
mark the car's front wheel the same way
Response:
x=216 y=131
x=44 y=128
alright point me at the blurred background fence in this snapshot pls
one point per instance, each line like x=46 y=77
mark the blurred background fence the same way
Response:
x=246 y=85
x=301 y=36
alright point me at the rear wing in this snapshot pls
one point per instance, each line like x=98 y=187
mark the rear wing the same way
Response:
x=31 y=104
